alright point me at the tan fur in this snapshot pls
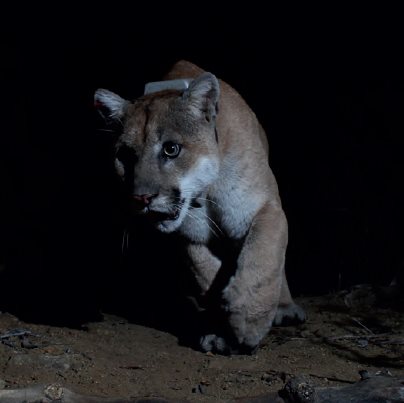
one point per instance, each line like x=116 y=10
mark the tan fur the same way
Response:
x=233 y=184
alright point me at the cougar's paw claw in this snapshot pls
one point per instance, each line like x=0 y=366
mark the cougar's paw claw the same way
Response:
x=291 y=314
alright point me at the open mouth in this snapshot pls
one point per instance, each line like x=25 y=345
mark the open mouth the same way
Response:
x=158 y=216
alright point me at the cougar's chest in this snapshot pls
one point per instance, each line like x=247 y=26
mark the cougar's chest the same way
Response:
x=236 y=205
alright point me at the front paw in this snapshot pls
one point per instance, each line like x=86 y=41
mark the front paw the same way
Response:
x=291 y=314
x=218 y=345
x=214 y=344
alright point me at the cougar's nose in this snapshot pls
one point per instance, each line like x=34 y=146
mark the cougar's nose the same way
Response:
x=144 y=200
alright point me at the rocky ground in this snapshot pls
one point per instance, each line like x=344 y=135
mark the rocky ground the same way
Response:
x=116 y=358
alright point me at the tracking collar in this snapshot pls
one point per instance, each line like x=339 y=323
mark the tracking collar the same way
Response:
x=156 y=86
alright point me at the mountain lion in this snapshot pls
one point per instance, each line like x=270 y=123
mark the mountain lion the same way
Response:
x=195 y=160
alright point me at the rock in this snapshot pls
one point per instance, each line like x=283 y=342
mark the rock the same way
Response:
x=299 y=390
x=371 y=389
x=57 y=393
x=379 y=388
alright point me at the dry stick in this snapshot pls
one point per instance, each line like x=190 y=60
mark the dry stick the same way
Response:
x=332 y=379
x=363 y=336
x=394 y=341
x=362 y=325
x=373 y=337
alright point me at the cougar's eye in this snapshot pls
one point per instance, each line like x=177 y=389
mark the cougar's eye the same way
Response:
x=171 y=150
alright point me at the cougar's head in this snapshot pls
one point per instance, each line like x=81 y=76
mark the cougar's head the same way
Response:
x=166 y=153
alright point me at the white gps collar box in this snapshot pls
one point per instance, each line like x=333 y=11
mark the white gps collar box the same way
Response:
x=156 y=86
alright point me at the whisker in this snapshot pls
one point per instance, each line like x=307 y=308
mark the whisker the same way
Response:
x=125 y=241
x=189 y=214
x=195 y=217
x=106 y=130
x=212 y=221
x=208 y=200
x=197 y=198
x=211 y=229
x=201 y=212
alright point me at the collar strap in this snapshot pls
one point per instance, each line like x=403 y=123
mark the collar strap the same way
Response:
x=156 y=86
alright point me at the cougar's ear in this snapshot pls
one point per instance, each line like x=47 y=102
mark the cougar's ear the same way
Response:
x=202 y=95
x=110 y=105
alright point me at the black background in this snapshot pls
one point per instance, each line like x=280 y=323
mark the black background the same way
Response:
x=327 y=85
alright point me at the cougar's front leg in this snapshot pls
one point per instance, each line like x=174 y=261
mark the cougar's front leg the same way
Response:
x=204 y=265
x=252 y=296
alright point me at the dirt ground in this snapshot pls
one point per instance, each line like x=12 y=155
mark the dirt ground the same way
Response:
x=120 y=359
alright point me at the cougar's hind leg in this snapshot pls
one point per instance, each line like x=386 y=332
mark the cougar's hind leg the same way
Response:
x=288 y=313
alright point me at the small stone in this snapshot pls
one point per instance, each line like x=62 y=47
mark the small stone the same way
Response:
x=384 y=372
x=27 y=343
x=305 y=334
x=53 y=391
x=364 y=374
x=267 y=378
x=2 y=384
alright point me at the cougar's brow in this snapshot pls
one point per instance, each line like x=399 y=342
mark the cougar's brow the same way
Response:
x=146 y=106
